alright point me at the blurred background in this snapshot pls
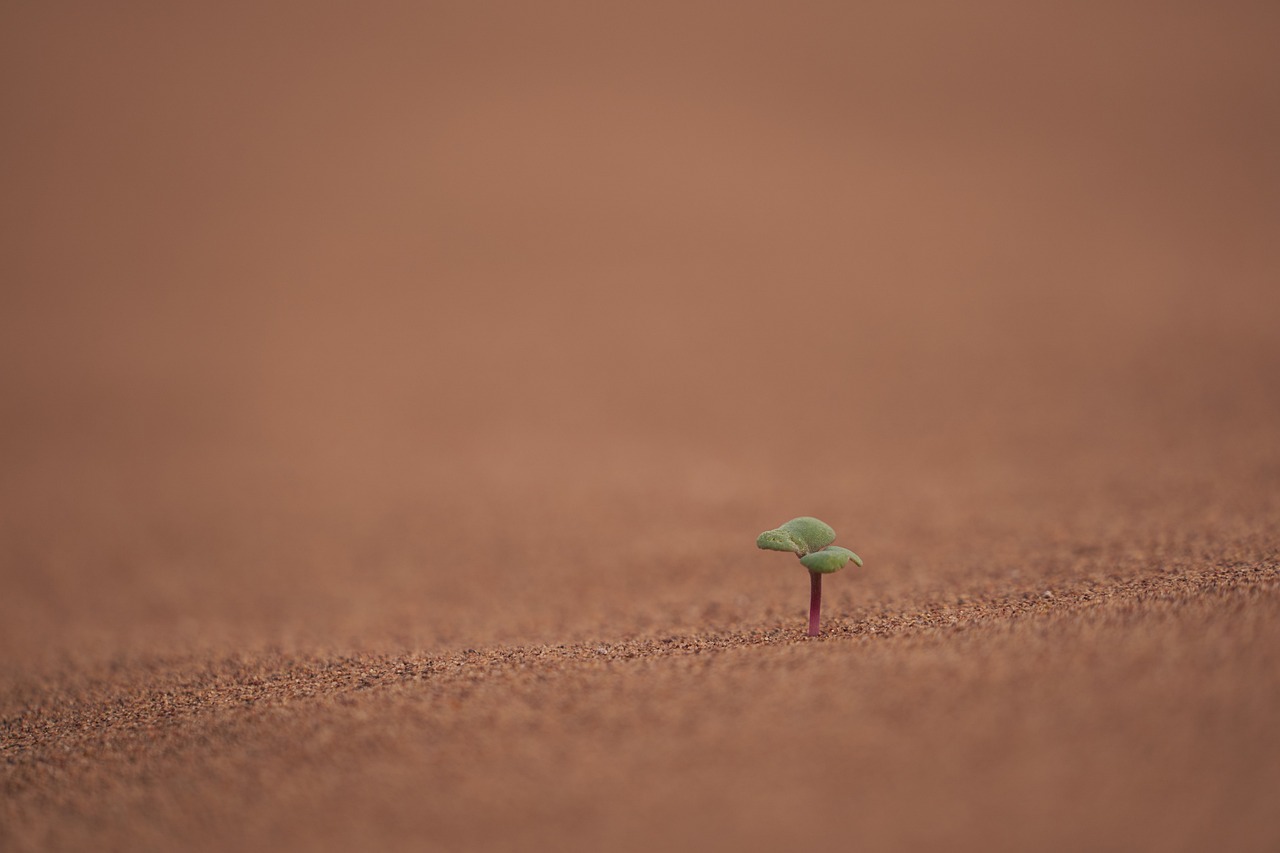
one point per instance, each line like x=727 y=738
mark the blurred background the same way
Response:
x=405 y=325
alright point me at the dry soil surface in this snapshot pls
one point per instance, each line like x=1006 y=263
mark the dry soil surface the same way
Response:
x=391 y=394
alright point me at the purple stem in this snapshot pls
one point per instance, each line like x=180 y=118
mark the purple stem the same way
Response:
x=815 y=601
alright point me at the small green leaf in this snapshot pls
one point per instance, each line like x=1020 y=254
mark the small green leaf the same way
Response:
x=801 y=536
x=830 y=559
x=811 y=533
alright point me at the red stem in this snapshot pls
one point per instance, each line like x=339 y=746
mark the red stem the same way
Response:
x=815 y=601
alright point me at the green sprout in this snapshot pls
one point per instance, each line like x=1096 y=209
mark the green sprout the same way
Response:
x=810 y=540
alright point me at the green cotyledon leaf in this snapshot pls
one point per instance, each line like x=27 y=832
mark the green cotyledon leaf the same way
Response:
x=801 y=536
x=830 y=559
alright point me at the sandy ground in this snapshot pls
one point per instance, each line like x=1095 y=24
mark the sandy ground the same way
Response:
x=390 y=397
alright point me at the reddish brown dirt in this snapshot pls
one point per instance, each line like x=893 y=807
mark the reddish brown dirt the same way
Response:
x=389 y=401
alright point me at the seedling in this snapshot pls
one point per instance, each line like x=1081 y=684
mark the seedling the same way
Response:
x=810 y=540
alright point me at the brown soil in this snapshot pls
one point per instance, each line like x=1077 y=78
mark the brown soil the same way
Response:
x=389 y=403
